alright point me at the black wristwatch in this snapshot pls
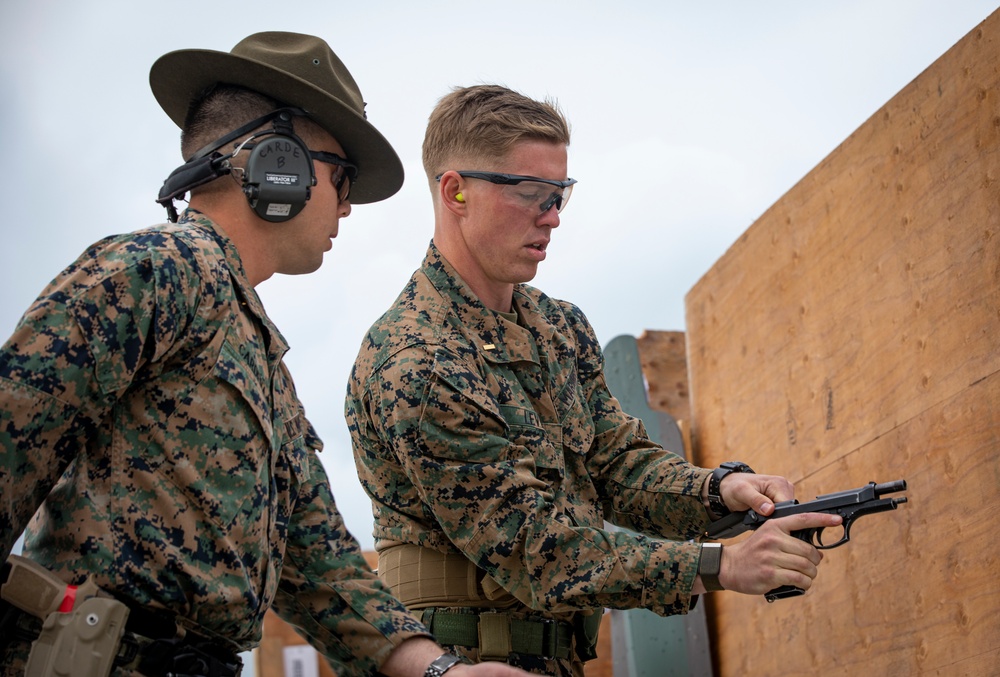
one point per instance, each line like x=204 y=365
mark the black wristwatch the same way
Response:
x=710 y=565
x=715 y=502
x=441 y=665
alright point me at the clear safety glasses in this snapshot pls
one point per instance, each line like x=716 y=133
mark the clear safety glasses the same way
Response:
x=527 y=192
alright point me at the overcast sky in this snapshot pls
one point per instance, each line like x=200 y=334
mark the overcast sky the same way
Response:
x=689 y=120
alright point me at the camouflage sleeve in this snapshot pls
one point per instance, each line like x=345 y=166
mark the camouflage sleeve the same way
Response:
x=75 y=348
x=328 y=591
x=434 y=412
x=645 y=487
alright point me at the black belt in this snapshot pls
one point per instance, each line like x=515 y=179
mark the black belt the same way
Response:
x=189 y=656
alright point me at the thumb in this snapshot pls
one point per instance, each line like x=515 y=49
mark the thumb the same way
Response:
x=755 y=500
x=762 y=504
x=761 y=492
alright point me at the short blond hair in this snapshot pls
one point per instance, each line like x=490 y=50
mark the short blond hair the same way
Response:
x=483 y=122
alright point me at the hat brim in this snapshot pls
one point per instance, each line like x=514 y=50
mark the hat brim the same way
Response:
x=177 y=78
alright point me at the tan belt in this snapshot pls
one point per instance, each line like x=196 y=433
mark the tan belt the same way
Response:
x=421 y=578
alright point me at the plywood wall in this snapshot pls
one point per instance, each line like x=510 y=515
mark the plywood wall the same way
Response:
x=853 y=334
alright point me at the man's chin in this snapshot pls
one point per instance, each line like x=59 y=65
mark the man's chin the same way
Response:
x=303 y=267
x=527 y=275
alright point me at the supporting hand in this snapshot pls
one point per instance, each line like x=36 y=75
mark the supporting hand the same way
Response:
x=745 y=491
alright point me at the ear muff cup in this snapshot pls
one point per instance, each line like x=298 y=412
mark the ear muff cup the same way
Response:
x=278 y=177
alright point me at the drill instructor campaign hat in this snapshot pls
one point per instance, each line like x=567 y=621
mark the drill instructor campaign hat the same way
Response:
x=296 y=70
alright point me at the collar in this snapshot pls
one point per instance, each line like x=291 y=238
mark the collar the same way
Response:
x=192 y=218
x=497 y=339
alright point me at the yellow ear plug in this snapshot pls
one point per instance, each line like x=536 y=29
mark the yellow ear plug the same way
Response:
x=459 y=197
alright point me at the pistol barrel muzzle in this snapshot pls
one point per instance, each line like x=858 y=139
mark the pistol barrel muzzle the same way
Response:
x=890 y=487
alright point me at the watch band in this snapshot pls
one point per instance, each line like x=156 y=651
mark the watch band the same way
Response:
x=710 y=565
x=441 y=665
x=715 y=502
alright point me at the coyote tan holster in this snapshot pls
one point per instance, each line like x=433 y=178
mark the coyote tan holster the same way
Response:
x=81 y=641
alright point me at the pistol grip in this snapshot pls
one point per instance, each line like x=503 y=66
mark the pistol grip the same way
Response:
x=32 y=588
x=782 y=592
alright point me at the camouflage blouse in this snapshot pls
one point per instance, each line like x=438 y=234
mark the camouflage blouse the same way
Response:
x=500 y=439
x=151 y=433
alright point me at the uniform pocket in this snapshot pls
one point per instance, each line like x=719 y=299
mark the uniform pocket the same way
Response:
x=540 y=441
x=460 y=418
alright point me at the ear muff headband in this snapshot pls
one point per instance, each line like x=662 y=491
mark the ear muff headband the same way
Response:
x=278 y=176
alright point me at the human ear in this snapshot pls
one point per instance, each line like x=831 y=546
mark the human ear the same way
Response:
x=451 y=193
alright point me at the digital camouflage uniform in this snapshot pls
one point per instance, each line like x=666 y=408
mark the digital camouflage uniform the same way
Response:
x=501 y=440
x=146 y=414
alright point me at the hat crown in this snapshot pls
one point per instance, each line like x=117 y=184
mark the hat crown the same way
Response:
x=306 y=57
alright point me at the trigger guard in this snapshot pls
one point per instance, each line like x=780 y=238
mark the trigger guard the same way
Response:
x=820 y=545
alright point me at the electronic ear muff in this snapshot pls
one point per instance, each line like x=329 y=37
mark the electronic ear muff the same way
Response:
x=459 y=197
x=278 y=176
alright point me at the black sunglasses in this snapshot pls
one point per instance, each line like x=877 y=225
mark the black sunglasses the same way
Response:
x=342 y=177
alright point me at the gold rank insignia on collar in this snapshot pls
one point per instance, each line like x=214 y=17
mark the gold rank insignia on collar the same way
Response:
x=489 y=346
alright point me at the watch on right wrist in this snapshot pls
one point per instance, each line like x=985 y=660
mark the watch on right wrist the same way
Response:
x=715 y=502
